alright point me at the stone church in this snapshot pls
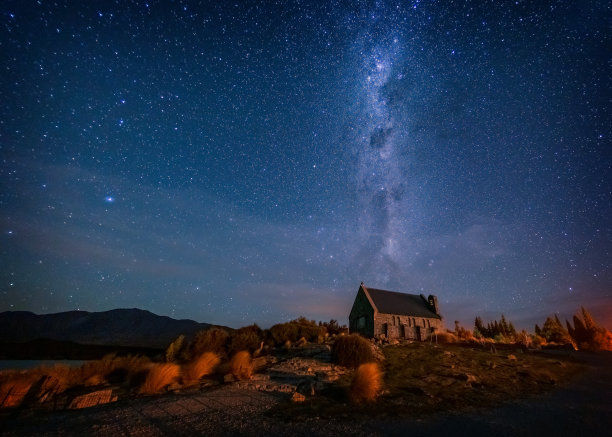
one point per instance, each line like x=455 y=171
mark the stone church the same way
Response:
x=395 y=315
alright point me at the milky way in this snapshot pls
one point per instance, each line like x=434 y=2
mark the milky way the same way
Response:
x=253 y=162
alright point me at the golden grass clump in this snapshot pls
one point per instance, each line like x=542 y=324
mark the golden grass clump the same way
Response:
x=14 y=388
x=159 y=377
x=204 y=365
x=241 y=365
x=446 y=337
x=352 y=350
x=113 y=369
x=366 y=383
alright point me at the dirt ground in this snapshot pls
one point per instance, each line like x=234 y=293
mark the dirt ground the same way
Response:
x=582 y=407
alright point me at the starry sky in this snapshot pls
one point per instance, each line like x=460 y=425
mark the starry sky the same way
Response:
x=254 y=161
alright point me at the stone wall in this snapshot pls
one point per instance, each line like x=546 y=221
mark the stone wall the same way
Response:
x=405 y=327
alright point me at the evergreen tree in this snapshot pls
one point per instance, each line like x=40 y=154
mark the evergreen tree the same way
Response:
x=580 y=332
x=511 y=330
x=537 y=330
x=570 y=330
x=553 y=330
x=478 y=325
x=503 y=326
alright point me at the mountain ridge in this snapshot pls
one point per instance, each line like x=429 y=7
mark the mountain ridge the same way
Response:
x=119 y=327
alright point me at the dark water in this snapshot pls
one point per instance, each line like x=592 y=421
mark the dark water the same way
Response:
x=29 y=364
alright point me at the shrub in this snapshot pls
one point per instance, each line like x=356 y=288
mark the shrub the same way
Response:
x=352 y=350
x=283 y=332
x=366 y=383
x=203 y=365
x=538 y=340
x=241 y=365
x=522 y=339
x=211 y=340
x=175 y=348
x=447 y=337
x=246 y=338
x=296 y=329
x=159 y=377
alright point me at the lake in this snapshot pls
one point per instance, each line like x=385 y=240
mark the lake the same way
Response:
x=29 y=364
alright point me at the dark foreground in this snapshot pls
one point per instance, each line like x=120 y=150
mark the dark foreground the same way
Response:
x=582 y=408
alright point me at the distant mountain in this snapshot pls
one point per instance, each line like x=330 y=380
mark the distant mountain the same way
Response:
x=122 y=327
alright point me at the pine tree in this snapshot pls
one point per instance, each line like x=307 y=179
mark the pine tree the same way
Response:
x=580 y=332
x=511 y=330
x=537 y=330
x=503 y=326
x=570 y=330
x=553 y=331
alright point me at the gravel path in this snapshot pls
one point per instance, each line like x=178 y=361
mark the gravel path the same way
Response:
x=582 y=408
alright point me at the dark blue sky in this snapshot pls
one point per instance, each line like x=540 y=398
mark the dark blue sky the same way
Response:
x=240 y=162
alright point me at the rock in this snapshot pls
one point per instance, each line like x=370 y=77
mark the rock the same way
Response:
x=298 y=397
x=512 y=357
x=229 y=378
x=260 y=377
x=92 y=399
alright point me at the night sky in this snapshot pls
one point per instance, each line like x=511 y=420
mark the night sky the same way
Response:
x=240 y=162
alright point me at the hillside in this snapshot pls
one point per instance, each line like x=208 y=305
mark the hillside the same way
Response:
x=123 y=327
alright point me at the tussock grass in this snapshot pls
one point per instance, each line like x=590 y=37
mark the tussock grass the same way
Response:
x=446 y=337
x=159 y=377
x=113 y=369
x=366 y=383
x=241 y=365
x=204 y=365
x=352 y=351
x=14 y=388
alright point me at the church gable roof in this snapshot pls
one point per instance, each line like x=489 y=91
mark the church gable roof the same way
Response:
x=403 y=304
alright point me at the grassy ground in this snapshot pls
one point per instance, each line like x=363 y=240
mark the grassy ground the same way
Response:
x=420 y=378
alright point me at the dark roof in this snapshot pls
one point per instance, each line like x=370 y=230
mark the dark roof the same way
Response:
x=403 y=304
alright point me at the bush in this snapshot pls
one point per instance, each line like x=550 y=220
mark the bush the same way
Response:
x=522 y=339
x=246 y=338
x=352 y=350
x=283 y=332
x=295 y=330
x=241 y=365
x=447 y=337
x=159 y=377
x=203 y=365
x=366 y=383
x=175 y=348
x=211 y=340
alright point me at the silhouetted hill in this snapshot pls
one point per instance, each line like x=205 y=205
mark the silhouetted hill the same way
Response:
x=124 y=327
x=45 y=349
